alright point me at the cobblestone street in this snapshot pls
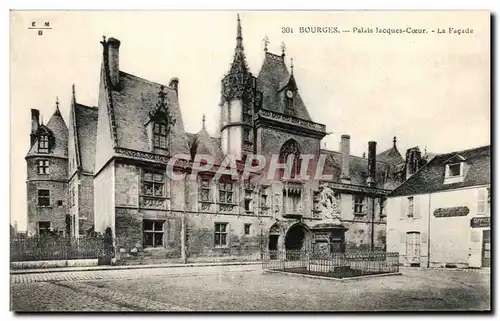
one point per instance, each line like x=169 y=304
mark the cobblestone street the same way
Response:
x=245 y=288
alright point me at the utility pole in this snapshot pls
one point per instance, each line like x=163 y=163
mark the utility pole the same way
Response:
x=373 y=225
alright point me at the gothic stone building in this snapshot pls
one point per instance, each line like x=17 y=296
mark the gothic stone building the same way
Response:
x=109 y=169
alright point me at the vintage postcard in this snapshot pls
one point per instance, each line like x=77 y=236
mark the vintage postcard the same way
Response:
x=250 y=161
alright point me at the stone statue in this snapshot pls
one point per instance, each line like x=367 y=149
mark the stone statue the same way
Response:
x=328 y=203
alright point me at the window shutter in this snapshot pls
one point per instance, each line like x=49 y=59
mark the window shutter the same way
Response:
x=424 y=238
x=402 y=237
x=416 y=207
x=403 y=208
x=481 y=201
x=475 y=236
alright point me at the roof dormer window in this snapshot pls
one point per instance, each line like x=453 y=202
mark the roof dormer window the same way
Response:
x=43 y=144
x=454 y=170
x=160 y=135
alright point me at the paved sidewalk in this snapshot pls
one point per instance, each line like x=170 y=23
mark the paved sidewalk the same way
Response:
x=130 y=274
x=131 y=267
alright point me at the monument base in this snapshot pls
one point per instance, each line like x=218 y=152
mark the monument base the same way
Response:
x=329 y=236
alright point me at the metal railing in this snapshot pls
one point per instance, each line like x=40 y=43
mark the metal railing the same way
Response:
x=43 y=248
x=334 y=264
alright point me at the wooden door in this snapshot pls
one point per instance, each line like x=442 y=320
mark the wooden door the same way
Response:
x=413 y=248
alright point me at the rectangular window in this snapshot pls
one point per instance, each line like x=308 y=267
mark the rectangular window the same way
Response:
x=160 y=135
x=204 y=195
x=153 y=233
x=247 y=205
x=247 y=228
x=72 y=196
x=454 y=170
x=81 y=227
x=226 y=192
x=153 y=184
x=43 y=227
x=247 y=135
x=43 y=144
x=220 y=234
x=263 y=200
x=382 y=202
x=410 y=206
x=43 y=197
x=43 y=166
x=59 y=203
x=359 y=202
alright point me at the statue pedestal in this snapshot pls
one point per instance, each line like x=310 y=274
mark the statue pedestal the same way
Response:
x=329 y=236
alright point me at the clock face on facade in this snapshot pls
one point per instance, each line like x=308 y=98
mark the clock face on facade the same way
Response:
x=289 y=93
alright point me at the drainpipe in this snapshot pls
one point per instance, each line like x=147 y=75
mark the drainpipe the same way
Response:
x=429 y=234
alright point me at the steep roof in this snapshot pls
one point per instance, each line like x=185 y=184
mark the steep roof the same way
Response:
x=132 y=104
x=391 y=156
x=86 y=128
x=358 y=168
x=202 y=143
x=430 y=178
x=273 y=76
x=58 y=136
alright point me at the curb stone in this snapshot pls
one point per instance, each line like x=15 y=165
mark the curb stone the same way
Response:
x=129 y=267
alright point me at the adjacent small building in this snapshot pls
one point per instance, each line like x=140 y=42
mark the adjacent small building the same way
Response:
x=440 y=216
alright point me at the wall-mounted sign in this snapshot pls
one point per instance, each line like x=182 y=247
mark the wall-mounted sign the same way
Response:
x=451 y=211
x=480 y=221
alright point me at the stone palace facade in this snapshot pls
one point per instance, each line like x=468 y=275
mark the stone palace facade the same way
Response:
x=108 y=169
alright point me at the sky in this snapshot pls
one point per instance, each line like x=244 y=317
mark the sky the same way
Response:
x=430 y=90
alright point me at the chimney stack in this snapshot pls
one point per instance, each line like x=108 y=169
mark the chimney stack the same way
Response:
x=345 y=158
x=372 y=154
x=35 y=123
x=114 y=61
x=174 y=83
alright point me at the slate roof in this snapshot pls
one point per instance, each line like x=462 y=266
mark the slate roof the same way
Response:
x=56 y=127
x=391 y=156
x=86 y=132
x=430 y=178
x=358 y=169
x=273 y=76
x=202 y=143
x=132 y=103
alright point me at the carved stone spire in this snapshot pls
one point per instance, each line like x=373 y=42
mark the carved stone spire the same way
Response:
x=57 y=112
x=234 y=83
x=394 y=140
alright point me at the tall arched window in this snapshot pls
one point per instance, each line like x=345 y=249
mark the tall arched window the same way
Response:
x=290 y=147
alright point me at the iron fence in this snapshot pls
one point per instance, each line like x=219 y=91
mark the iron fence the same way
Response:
x=42 y=248
x=339 y=265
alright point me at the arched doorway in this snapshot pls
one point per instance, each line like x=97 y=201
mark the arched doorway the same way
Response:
x=297 y=238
